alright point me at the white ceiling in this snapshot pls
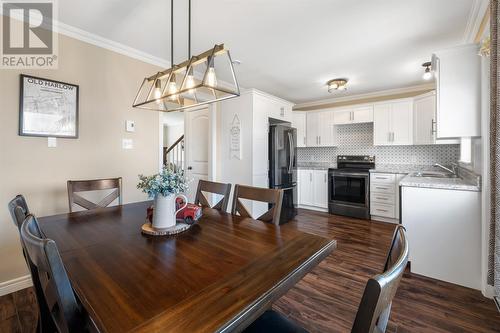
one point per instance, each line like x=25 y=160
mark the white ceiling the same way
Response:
x=290 y=48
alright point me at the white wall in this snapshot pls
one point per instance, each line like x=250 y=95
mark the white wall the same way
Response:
x=172 y=133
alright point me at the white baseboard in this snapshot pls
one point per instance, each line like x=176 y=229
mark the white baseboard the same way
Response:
x=384 y=219
x=14 y=285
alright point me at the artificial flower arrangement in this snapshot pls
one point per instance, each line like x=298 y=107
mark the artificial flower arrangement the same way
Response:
x=168 y=181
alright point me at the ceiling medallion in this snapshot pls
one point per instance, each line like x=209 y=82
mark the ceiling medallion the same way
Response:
x=337 y=84
x=191 y=83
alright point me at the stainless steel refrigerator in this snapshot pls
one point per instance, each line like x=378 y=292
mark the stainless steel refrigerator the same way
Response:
x=283 y=167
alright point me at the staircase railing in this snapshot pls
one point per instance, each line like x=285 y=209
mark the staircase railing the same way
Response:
x=173 y=156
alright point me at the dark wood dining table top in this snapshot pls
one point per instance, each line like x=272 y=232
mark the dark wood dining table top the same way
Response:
x=216 y=277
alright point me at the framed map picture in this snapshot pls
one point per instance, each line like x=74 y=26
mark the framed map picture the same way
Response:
x=48 y=108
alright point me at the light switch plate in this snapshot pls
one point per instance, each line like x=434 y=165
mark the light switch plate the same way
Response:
x=51 y=142
x=130 y=126
x=127 y=144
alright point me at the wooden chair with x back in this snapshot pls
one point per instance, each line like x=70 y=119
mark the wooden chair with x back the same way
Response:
x=271 y=196
x=216 y=188
x=75 y=186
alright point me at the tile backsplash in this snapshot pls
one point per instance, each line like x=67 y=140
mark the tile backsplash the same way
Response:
x=357 y=139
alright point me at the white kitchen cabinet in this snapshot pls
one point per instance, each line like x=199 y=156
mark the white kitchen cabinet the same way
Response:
x=444 y=232
x=305 y=187
x=299 y=122
x=384 y=196
x=355 y=115
x=458 y=90
x=424 y=119
x=313 y=188
x=393 y=123
x=320 y=130
x=320 y=188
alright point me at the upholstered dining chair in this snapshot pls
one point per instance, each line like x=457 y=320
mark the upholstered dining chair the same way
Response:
x=375 y=306
x=18 y=209
x=216 y=188
x=272 y=196
x=75 y=186
x=68 y=315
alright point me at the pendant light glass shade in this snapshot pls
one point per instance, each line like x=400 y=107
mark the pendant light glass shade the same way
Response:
x=203 y=79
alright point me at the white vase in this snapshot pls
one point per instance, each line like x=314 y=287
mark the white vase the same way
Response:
x=164 y=214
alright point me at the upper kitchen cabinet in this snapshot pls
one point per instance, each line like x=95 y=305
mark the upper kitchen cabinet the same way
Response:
x=320 y=131
x=458 y=84
x=393 y=123
x=299 y=122
x=424 y=119
x=359 y=114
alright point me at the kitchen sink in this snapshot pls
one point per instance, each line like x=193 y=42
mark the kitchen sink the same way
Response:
x=434 y=174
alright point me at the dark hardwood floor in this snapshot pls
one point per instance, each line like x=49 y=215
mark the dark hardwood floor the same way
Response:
x=326 y=300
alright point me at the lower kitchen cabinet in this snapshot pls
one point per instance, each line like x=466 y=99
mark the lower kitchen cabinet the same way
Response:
x=444 y=232
x=313 y=188
x=384 y=196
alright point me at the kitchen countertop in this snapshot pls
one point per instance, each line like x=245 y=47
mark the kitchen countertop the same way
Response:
x=440 y=183
x=467 y=182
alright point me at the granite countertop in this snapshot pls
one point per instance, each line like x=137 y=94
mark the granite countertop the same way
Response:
x=440 y=183
x=316 y=165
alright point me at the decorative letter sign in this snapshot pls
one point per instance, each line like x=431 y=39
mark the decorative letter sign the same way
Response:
x=235 y=139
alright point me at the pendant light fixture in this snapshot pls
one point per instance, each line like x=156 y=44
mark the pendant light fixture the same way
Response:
x=191 y=83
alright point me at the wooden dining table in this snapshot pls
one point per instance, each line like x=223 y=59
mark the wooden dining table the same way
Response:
x=218 y=276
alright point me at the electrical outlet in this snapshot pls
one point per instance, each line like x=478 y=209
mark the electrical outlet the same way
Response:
x=127 y=144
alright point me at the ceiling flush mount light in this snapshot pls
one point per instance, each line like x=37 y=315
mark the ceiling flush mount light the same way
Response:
x=191 y=83
x=337 y=84
x=428 y=70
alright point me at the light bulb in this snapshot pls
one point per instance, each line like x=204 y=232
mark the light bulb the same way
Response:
x=157 y=91
x=172 y=88
x=190 y=83
x=427 y=75
x=211 y=79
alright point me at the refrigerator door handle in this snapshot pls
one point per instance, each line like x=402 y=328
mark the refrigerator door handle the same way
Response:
x=290 y=142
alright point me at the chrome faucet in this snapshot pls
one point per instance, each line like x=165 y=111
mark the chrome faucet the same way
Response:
x=453 y=169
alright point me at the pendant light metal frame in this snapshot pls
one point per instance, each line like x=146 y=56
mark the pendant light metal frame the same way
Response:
x=178 y=99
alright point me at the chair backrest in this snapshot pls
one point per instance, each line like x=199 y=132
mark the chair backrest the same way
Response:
x=59 y=296
x=75 y=186
x=18 y=209
x=375 y=307
x=212 y=187
x=271 y=196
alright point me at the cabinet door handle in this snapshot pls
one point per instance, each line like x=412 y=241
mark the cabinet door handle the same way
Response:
x=433 y=127
x=379 y=198
x=310 y=177
x=389 y=136
x=320 y=139
x=324 y=176
x=381 y=178
x=382 y=210
x=380 y=188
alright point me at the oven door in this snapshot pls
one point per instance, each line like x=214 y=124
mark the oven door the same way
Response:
x=349 y=188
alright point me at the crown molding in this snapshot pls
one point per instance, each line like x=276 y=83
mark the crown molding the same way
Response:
x=105 y=43
x=478 y=11
x=381 y=93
